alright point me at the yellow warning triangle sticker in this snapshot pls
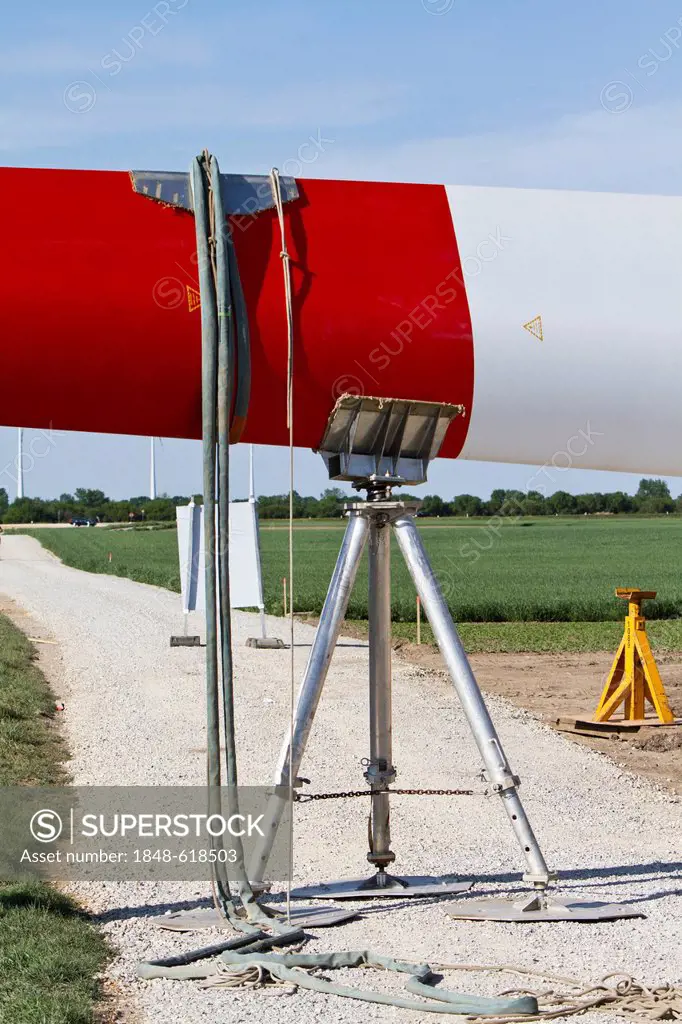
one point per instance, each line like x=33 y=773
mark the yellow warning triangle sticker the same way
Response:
x=534 y=327
x=193 y=298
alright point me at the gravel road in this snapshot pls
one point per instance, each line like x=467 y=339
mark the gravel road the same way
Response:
x=135 y=715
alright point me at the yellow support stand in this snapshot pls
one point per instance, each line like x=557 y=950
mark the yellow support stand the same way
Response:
x=634 y=680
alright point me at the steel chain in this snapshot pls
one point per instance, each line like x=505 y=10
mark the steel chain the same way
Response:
x=349 y=794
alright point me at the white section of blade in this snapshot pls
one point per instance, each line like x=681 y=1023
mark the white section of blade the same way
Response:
x=604 y=274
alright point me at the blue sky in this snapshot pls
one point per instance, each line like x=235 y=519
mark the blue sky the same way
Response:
x=506 y=92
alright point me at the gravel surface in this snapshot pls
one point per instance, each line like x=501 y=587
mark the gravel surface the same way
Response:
x=135 y=715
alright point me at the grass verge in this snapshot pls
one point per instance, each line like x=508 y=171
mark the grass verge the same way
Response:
x=50 y=953
x=31 y=750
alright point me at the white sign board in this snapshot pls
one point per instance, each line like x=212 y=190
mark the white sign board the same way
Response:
x=246 y=590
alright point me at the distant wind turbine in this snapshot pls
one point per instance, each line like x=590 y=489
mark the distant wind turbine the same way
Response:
x=20 y=462
x=152 y=465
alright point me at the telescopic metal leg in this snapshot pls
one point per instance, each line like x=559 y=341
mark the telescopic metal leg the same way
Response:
x=380 y=771
x=331 y=620
x=498 y=772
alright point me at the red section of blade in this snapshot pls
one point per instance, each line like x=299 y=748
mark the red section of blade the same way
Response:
x=100 y=322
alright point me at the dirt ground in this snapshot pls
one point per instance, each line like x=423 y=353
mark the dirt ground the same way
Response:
x=553 y=686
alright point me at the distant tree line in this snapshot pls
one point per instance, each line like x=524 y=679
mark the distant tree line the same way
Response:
x=652 y=498
x=87 y=503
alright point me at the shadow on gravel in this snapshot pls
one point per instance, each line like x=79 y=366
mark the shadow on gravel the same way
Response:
x=613 y=875
x=363 y=646
x=485 y=886
x=128 y=913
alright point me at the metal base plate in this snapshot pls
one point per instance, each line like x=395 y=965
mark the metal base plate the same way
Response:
x=266 y=643
x=538 y=909
x=304 y=917
x=405 y=886
x=614 y=726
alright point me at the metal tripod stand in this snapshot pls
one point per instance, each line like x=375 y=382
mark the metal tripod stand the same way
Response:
x=370 y=524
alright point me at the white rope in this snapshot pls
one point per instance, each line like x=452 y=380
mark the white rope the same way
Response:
x=616 y=992
x=250 y=976
x=286 y=267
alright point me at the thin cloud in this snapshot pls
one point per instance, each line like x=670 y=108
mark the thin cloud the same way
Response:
x=49 y=58
x=639 y=150
x=115 y=110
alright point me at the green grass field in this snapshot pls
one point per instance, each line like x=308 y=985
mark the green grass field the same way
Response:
x=535 y=584
x=536 y=570
x=50 y=954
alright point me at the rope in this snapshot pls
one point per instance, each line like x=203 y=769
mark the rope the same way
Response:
x=623 y=995
x=286 y=268
x=254 y=976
